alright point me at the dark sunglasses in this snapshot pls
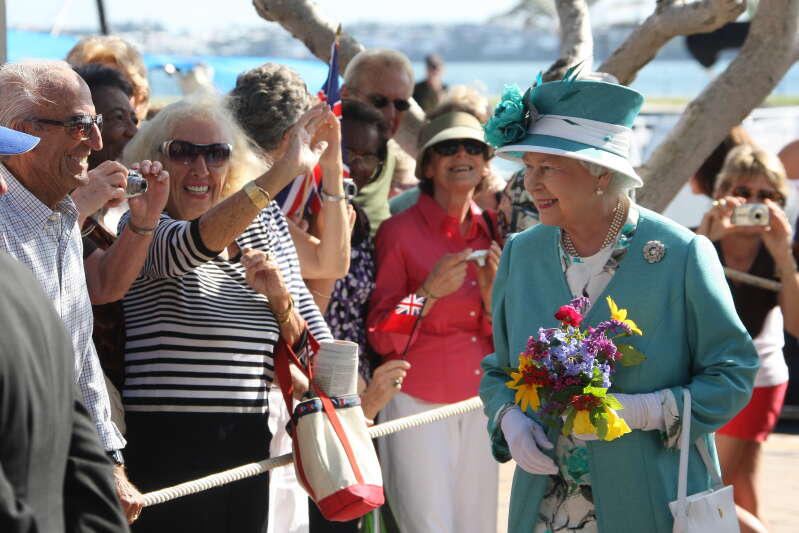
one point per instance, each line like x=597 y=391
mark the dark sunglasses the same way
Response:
x=380 y=101
x=184 y=152
x=762 y=194
x=78 y=127
x=450 y=147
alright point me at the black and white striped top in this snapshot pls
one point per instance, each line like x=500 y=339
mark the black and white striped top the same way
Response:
x=199 y=339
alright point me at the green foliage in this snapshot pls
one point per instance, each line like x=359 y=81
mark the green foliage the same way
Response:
x=631 y=356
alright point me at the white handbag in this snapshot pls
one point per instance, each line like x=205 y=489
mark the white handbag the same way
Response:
x=708 y=511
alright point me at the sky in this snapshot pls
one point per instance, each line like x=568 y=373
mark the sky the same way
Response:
x=210 y=14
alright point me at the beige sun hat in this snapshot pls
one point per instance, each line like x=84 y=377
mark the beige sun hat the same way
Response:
x=454 y=125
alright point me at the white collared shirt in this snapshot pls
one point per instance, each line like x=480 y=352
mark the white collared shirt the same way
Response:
x=49 y=243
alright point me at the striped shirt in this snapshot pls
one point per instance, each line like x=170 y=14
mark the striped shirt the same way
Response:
x=199 y=339
x=49 y=243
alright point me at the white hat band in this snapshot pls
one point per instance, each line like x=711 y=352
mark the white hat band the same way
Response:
x=608 y=137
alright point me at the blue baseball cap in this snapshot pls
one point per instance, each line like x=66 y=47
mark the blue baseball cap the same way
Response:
x=13 y=142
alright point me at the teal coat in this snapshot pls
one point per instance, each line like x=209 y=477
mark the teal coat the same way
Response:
x=692 y=338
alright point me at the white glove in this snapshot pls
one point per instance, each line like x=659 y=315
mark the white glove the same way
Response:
x=525 y=439
x=643 y=411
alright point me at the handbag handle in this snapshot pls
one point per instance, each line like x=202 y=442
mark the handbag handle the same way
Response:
x=704 y=453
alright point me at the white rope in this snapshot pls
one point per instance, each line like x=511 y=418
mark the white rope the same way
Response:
x=254 y=469
x=749 y=279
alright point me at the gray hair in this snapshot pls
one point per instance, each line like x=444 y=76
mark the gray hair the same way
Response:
x=267 y=101
x=618 y=184
x=29 y=85
x=244 y=162
x=372 y=57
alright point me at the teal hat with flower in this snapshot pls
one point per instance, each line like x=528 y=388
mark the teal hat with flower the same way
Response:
x=580 y=119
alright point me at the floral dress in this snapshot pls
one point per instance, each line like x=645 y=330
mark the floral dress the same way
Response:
x=349 y=301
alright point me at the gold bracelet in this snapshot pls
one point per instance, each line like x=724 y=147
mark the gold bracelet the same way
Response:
x=139 y=230
x=427 y=294
x=284 y=316
x=320 y=294
x=259 y=196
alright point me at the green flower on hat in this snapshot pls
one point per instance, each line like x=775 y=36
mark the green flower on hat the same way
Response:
x=507 y=125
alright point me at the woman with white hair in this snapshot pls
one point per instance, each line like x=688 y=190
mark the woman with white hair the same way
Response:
x=221 y=286
x=573 y=137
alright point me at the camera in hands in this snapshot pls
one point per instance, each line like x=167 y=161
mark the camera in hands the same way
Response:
x=750 y=215
x=136 y=184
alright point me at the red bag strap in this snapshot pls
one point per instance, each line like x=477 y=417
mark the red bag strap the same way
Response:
x=330 y=411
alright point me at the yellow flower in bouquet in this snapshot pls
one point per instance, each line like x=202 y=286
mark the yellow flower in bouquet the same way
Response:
x=616 y=424
x=526 y=382
x=621 y=316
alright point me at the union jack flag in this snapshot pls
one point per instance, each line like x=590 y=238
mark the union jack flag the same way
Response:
x=404 y=316
x=303 y=193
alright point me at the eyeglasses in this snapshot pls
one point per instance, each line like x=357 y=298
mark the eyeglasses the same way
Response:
x=447 y=148
x=762 y=194
x=78 y=127
x=184 y=152
x=380 y=101
x=369 y=163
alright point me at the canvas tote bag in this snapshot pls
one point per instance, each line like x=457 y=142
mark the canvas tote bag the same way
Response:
x=334 y=457
x=708 y=511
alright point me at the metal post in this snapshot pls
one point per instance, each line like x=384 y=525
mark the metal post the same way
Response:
x=101 y=14
x=4 y=33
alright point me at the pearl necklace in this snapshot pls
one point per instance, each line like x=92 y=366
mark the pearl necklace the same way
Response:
x=619 y=217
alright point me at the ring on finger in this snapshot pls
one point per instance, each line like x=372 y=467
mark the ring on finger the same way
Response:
x=397 y=383
x=722 y=202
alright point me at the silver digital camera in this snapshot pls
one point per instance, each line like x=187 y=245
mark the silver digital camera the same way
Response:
x=136 y=184
x=750 y=215
x=350 y=189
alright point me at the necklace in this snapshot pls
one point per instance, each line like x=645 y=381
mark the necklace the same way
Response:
x=619 y=216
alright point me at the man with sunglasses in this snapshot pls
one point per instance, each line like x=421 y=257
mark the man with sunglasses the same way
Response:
x=38 y=219
x=44 y=425
x=384 y=79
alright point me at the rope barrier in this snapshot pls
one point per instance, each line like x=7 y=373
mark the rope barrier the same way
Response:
x=743 y=277
x=253 y=469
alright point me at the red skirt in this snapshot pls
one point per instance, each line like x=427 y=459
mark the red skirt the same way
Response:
x=760 y=415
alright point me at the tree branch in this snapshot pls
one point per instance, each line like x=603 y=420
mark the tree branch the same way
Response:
x=576 y=39
x=670 y=19
x=768 y=52
x=306 y=22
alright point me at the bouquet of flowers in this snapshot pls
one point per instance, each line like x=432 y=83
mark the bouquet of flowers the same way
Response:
x=565 y=372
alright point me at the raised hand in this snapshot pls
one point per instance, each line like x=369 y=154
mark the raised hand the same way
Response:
x=302 y=151
x=264 y=276
x=106 y=188
x=146 y=208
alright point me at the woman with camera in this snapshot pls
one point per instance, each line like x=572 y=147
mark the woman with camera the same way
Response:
x=752 y=234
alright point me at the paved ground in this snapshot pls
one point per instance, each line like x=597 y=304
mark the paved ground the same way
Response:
x=779 y=484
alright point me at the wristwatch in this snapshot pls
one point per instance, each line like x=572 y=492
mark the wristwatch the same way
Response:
x=258 y=195
x=116 y=457
x=333 y=197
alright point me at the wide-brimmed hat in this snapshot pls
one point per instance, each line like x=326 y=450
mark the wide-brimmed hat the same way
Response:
x=454 y=125
x=13 y=142
x=580 y=119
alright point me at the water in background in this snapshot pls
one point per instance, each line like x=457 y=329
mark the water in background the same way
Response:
x=661 y=78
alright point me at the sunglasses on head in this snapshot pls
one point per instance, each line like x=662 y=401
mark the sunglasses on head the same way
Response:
x=380 y=101
x=78 y=127
x=184 y=152
x=472 y=147
x=762 y=194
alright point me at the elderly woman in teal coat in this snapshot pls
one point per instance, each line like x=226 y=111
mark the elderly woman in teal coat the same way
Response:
x=574 y=138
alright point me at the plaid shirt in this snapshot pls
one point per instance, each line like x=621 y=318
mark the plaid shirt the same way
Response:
x=49 y=242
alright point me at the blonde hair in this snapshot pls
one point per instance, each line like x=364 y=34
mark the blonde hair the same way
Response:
x=748 y=160
x=244 y=163
x=115 y=52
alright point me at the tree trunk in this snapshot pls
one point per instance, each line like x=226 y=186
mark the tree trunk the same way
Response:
x=576 y=39
x=766 y=55
x=305 y=21
x=670 y=19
